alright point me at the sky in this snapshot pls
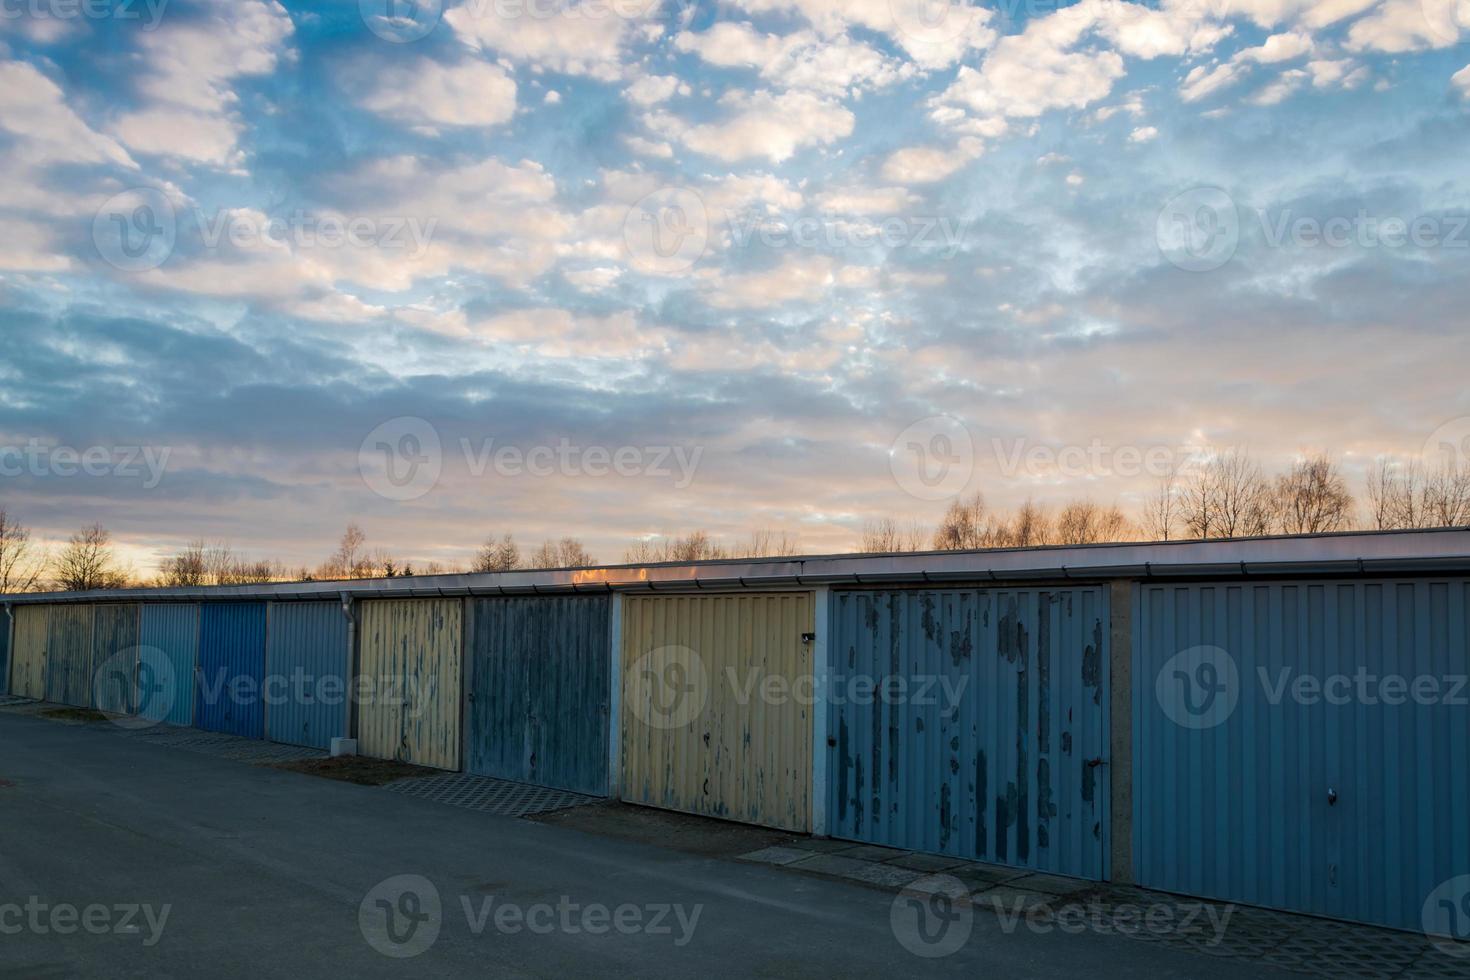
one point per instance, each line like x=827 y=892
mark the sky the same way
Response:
x=625 y=268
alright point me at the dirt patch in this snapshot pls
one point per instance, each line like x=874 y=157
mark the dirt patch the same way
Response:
x=679 y=831
x=356 y=769
x=74 y=714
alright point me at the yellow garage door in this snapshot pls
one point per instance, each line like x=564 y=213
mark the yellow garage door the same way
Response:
x=717 y=706
x=28 y=659
x=410 y=683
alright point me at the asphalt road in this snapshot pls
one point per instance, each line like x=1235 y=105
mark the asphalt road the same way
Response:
x=118 y=859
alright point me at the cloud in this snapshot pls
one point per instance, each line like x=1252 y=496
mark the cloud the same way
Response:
x=1143 y=134
x=33 y=109
x=1460 y=82
x=471 y=93
x=927 y=164
x=831 y=65
x=764 y=124
x=576 y=38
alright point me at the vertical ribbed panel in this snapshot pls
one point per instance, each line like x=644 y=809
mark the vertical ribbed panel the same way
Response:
x=412 y=680
x=69 y=655
x=5 y=627
x=538 y=691
x=744 y=756
x=28 y=657
x=307 y=681
x=229 y=695
x=965 y=721
x=168 y=652
x=114 y=657
x=1235 y=804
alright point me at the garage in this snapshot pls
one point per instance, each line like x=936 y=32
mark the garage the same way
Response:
x=114 y=657
x=168 y=653
x=1303 y=745
x=28 y=652
x=410 y=684
x=69 y=655
x=308 y=674
x=537 y=704
x=972 y=723
x=717 y=705
x=231 y=669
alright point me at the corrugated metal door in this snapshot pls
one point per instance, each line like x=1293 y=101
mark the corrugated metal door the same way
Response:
x=717 y=706
x=538 y=691
x=168 y=652
x=972 y=723
x=412 y=657
x=28 y=660
x=307 y=671
x=5 y=627
x=228 y=696
x=114 y=658
x=69 y=655
x=1304 y=745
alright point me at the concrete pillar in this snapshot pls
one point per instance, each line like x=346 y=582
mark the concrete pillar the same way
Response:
x=1120 y=749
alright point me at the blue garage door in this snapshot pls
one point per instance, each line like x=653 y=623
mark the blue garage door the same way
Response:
x=972 y=723
x=307 y=674
x=1303 y=746
x=168 y=652
x=537 y=707
x=228 y=695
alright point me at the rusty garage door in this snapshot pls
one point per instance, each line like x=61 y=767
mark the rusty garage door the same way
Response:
x=69 y=655
x=717 y=706
x=972 y=723
x=410 y=683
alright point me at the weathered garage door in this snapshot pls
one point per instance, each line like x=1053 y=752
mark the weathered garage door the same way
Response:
x=410 y=685
x=28 y=657
x=69 y=655
x=307 y=674
x=5 y=625
x=228 y=696
x=168 y=652
x=972 y=723
x=1304 y=746
x=717 y=706
x=114 y=658
x=538 y=691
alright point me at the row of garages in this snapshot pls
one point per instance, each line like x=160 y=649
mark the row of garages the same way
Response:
x=1088 y=729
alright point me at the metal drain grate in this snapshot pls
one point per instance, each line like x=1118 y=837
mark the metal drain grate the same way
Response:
x=497 y=796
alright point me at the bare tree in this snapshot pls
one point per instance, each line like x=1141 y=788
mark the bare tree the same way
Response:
x=884 y=534
x=963 y=525
x=502 y=555
x=187 y=567
x=767 y=543
x=566 y=553
x=88 y=562
x=1162 y=513
x=1311 y=497
x=21 y=564
x=350 y=560
x=1445 y=501
x=1031 y=527
x=1227 y=498
x=695 y=546
x=1085 y=522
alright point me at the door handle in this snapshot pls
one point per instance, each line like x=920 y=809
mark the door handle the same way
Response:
x=1094 y=763
x=1331 y=796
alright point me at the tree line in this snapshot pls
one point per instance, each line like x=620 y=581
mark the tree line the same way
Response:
x=1226 y=495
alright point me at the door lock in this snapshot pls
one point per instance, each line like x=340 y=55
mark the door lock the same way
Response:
x=1331 y=796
